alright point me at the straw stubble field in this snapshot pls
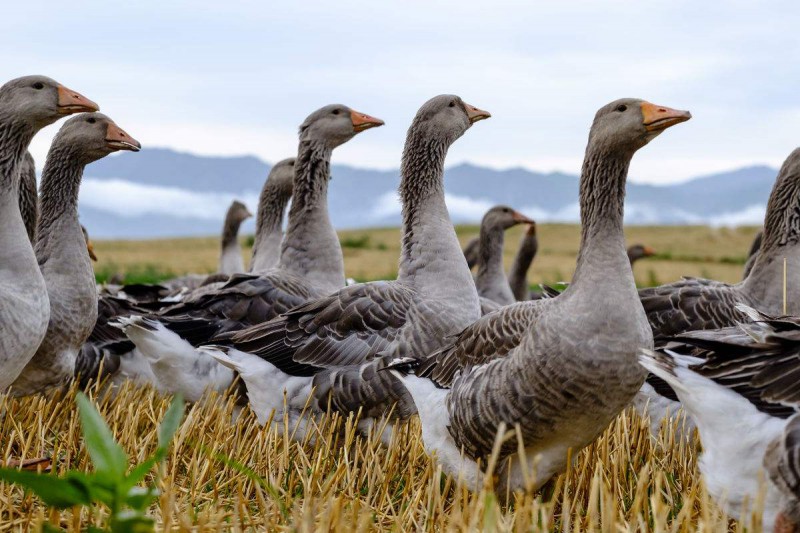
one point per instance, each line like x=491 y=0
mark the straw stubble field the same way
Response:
x=222 y=474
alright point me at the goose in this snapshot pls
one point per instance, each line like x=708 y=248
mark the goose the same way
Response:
x=27 y=104
x=28 y=198
x=61 y=248
x=275 y=195
x=740 y=386
x=491 y=281
x=335 y=346
x=311 y=266
x=518 y=274
x=230 y=258
x=639 y=251
x=557 y=369
x=471 y=251
x=698 y=304
x=695 y=303
x=752 y=255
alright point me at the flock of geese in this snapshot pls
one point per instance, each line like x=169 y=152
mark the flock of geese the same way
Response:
x=486 y=365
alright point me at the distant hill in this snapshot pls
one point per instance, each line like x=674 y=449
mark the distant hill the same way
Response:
x=161 y=192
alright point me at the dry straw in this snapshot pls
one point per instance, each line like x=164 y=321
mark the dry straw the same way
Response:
x=236 y=475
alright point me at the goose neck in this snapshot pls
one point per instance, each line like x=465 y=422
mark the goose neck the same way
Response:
x=58 y=194
x=269 y=221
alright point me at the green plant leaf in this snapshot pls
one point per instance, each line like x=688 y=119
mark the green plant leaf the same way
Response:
x=53 y=491
x=169 y=425
x=141 y=470
x=107 y=456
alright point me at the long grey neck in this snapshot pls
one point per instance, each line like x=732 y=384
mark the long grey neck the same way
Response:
x=430 y=256
x=311 y=247
x=602 y=196
x=58 y=219
x=16 y=255
x=230 y=259
x=780 y=241
x=269 y=221
x=518 y=275
x=491 y=278
x=28 y=197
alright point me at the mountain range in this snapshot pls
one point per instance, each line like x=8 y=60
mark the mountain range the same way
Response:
x=161 y=192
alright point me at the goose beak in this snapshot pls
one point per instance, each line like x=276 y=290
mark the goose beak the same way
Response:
x=649 y=252
x=519 y=218
x=117 y=139
x=362 y=121
x=90 y=249
x=70 y=102
x=474 y=114
x=659 y=118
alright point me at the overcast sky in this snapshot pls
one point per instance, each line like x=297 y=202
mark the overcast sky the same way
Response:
x=235 y=77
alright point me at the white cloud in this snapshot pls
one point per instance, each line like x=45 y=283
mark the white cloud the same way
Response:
x=130 y=199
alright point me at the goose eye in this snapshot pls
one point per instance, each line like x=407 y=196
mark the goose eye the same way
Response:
x=38 y=86
x=335 y=111
x=91 y=120
x=622 y=107
x=452 y=104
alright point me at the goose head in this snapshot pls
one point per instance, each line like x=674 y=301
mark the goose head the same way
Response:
x=92 y=136
x=281 y=176
x=630 y=123
x=41 y=101
x=238 y=212
x=447 y=117
x=89 y=245
x=504 y=217
x=334 y=125
x=639 y=251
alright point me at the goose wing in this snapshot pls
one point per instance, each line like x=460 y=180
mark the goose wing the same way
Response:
x=492 y=336
x=346 y=328
x=243 y=301
x=690 y=304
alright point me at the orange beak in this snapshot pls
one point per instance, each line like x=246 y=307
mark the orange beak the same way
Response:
x=648 y=252
x=474 y=114
x=70 y=102
x=117 y=139
x=659 y=118
x=90 y=249
x=362 y=121
x=519 y=218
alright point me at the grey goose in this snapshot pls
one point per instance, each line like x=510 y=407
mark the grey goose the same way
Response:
x=559 y=370
x=27 y=105
x=230 y=257
x=61 y=248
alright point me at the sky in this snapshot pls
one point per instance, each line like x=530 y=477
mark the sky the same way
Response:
x=238 y=77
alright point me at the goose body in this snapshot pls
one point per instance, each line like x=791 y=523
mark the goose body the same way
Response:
x=26 y=105
x=743 y=394
x=570 y=366
x=700 y=304
x=61 y=248
x=339 y=344
x=311 y=266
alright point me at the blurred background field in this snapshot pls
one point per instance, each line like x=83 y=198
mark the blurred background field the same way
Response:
x=370 y=254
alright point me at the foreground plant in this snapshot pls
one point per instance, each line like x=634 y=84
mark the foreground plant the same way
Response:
x=112 y=483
